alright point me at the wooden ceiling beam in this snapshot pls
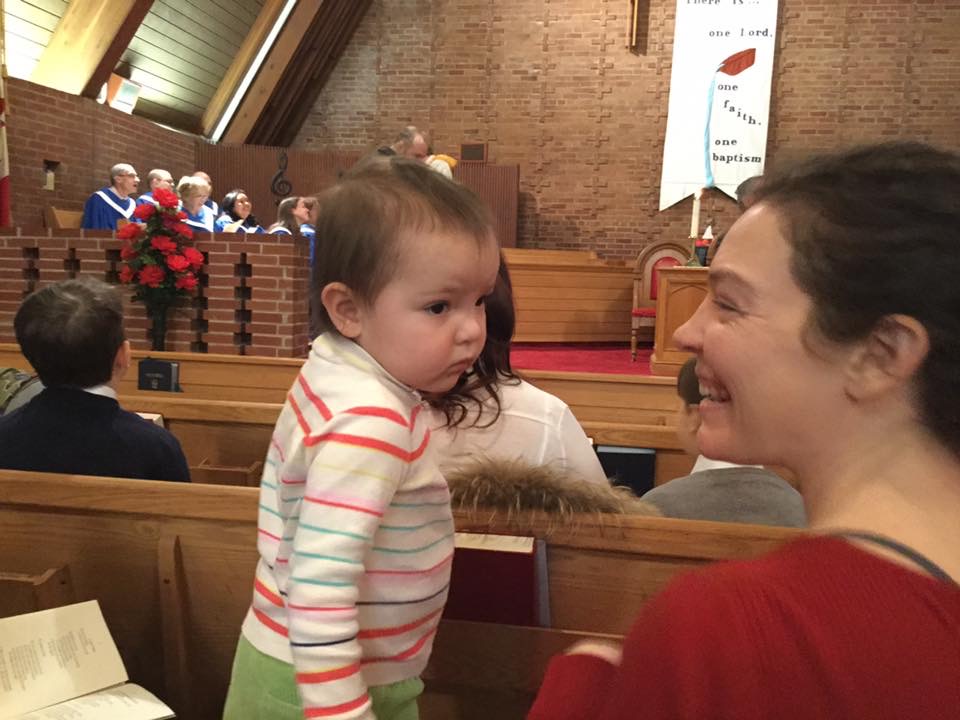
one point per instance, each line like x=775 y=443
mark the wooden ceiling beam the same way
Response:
x=308 y=72
x=87 y=44
x=238 y=68
x=258 y=95
x=295 y=71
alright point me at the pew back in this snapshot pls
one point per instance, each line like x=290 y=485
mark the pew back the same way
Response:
x=172 y=567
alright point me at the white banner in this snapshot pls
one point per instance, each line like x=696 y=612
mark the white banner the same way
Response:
x=719 y=96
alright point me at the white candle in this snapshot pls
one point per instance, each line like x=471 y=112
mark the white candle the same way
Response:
x=695 y=218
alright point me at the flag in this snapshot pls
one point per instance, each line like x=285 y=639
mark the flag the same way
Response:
x=4 y=158
x=719 y=106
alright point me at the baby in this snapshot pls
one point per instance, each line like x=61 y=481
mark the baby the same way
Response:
x=355 y=529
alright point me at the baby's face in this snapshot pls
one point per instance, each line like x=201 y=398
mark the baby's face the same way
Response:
x=428 y=324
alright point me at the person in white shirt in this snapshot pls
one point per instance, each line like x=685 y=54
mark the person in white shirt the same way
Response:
x=493 y=413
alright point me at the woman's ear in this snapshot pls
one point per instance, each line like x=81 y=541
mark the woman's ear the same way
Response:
x=121 y=361
x=888 y=358
x=343 y=309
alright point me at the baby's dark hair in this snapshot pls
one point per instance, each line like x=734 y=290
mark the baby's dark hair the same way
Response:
x=688 y=387
x=363 y=217
x=492 y=366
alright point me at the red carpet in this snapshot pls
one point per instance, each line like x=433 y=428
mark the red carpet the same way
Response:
x=581 y=357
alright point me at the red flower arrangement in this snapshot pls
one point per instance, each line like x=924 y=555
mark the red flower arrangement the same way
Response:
x=156 y=260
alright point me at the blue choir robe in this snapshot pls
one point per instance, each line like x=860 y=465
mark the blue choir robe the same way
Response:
x=225 y=220
x=147 y=197
x=214 y=208
x=309 y=232
x=202 y=221
x=104 y=208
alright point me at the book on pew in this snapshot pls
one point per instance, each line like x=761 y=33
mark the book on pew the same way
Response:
x=158 y=375
x=499 y=579
x=63 y=663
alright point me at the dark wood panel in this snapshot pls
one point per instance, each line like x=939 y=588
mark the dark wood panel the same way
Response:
x=182 y=51
x=499 y=187
x=252 y=167
x=166 y=115
x=193 y=65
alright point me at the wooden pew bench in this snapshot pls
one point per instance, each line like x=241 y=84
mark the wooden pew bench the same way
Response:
x=236 y=434
x=172 y=568
x=229 y=404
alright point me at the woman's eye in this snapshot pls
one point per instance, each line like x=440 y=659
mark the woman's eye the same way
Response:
x=724 y=306
x=437 y=308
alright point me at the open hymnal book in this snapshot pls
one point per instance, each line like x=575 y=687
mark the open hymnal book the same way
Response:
x=62 y=663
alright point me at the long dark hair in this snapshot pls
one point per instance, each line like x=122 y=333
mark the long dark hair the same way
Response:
x=230 y=202
x=285 y=216
x=492 y=367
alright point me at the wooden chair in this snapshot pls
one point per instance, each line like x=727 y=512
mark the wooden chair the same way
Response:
x=60 y=219
x=644 y=308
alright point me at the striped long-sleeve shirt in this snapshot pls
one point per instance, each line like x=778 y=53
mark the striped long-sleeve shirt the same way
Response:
x=355 y=534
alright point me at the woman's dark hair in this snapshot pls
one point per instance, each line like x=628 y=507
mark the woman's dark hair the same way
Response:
x=285 y=216
x=688 y=386
x=492 y=366
x=229 y=204
x=874 y=232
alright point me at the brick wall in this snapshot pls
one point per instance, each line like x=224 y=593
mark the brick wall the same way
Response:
x=87 y=139
x=549 y=85
x=251 y=299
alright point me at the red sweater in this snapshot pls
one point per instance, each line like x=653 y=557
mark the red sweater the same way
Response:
x=819 y=629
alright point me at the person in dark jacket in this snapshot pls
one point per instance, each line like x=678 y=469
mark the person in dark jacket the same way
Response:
x=72 y=333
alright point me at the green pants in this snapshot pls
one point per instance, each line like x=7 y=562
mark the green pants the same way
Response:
x=264 y=688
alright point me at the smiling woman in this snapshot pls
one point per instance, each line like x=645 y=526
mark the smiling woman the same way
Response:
x=828 y=343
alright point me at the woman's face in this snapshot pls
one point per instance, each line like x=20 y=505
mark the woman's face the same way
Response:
x=192 y=202
x=242 y=206
x=301 y=212
x=771 y=396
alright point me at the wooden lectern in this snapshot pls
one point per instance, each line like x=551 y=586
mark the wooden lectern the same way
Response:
x=681 y=291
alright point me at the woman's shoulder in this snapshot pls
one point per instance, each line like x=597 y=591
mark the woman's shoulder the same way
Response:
x=518 y=397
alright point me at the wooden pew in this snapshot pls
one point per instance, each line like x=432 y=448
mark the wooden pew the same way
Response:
x=172 y=567
x=60 y=219
x=623 y=410
x=236 y=434
x=569 y=296
x=603 y=398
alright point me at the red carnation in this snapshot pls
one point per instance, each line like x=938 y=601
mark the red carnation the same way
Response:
x=169 y=221
x=126 y=274
x=152 y=276
x=129 y=231
x=181 y=215
x=186 y=282
x=194 y=257
x=165 y=198
x=177 y=263
x=163 y=244
x=183 y=229
x=145 y=211
x=128 y=251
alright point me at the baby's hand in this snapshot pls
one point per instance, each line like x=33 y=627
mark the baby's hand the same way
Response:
x=610 y=651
